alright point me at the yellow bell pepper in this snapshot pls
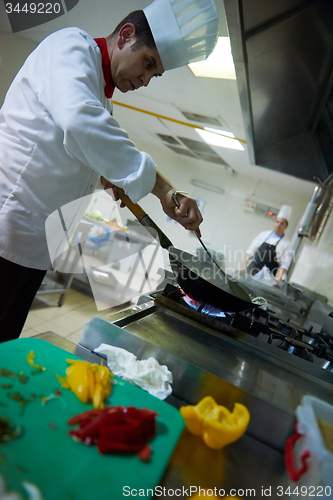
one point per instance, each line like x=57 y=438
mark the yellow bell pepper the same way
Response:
x=89 y=382
x=216 y=424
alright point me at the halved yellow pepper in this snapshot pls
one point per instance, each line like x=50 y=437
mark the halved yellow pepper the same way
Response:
x=216 y=424
x=89 y=382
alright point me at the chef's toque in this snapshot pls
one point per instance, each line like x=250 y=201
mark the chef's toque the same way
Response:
x=285 y=212
x=184 y=31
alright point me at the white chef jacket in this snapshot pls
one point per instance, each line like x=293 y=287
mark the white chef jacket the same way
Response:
x=283 y=249
x=57 y=137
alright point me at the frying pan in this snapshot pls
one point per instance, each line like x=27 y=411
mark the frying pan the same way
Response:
x=203 y=281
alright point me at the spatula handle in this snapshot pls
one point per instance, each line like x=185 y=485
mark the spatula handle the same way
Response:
x=145 y=220
x=136 y=210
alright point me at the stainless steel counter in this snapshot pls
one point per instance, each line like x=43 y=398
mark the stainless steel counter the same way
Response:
x=257 y=368
x=245 y=467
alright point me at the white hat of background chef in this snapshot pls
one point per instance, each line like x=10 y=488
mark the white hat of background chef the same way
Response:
x=285 y=212
x=184 y=31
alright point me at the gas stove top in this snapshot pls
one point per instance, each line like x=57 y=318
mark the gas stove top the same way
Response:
x=300 y=339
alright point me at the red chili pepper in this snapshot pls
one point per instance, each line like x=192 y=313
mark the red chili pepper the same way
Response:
x=108 y=416
x=86 y=414
x=145 y=453
x=129 y=432
x=105 y=447
x=116 y=429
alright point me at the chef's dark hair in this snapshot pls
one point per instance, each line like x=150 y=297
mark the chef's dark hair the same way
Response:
x=144 y=37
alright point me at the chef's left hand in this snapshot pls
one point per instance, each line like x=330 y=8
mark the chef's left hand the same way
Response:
x=187 y=214
x=107 y=185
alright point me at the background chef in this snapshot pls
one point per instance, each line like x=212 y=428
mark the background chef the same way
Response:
x=57 y=136
x=271 y=249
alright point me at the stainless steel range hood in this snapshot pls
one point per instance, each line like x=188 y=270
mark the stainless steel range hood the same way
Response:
x=283 y=54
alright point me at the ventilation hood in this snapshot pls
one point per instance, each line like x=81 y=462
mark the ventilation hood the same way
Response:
x=283 y=55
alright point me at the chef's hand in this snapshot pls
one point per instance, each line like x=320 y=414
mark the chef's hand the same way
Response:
x=107 y=185
x=279 y=275
x=187 y=213
x=277 y=284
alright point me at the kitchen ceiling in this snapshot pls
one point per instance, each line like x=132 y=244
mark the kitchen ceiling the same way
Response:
x=283 y=54
x=179 y=98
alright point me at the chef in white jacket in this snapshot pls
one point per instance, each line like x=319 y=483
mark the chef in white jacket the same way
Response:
x=58 y=137
x=271 y=250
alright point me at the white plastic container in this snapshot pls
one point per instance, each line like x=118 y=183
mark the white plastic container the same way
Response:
x=309 y=462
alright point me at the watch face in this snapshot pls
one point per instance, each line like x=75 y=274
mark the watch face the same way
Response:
x=23 y=14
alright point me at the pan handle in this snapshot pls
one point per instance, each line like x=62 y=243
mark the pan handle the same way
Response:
x=144 y=219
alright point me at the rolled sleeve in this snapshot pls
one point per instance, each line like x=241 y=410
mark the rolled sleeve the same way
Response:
x=138 y=184
x=286 y=258
x=258 y=240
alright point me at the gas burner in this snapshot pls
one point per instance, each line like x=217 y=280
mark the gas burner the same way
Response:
x=203 y=308
x=194 y=304
x=284 y=327
x=317 y=341
x=287 y=332
x=270 y=311
x=324 y=337
x=291 y=345
x=327 y=364
x=299 y=327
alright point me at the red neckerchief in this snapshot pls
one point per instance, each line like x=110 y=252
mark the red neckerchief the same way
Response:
x=106 y=66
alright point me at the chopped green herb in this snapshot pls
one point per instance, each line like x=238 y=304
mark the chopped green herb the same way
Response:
x=22 y=378
x=16 y=396
x=3 y=458
x=21 y=468
x=7 y=433
x=6 y=373
x=6 y=386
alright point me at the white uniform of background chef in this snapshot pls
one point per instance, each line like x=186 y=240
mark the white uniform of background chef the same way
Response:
x=271 y=249
x=57 y=136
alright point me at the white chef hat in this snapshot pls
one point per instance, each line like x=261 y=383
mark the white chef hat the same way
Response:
x=184 y=31
x=285 y=212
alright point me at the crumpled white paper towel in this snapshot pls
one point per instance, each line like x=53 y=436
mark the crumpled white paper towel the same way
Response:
x=146 y=373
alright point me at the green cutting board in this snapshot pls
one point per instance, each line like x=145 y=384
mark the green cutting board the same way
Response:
x=62 y=468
